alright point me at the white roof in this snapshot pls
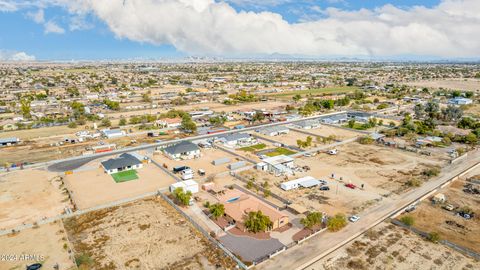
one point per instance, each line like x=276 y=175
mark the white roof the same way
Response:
x=300 y=181
x=278 y=159
x=184 y=184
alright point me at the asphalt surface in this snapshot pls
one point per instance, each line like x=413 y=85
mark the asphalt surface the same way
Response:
x=73 y=163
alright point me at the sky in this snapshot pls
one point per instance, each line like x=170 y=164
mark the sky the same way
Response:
x=163 y=29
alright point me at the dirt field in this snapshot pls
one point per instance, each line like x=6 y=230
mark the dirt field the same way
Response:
x=288 y=139
x=48 y=242
x=147 y=234
x=389 y=247
x=27 y=196
x=205 y=162
x=455 y=84
x=340 y=134
x=382 y=171
x=94 y=187
x=429 y=217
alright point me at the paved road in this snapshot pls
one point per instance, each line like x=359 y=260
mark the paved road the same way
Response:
x=76 y=162
x=305 y=256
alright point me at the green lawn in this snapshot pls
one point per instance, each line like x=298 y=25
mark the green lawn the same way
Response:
x=280 y=151
x=318 y=91
x=357 y=126
x=125 y=176
x=254 y=148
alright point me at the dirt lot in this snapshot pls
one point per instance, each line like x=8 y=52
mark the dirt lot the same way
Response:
x=94 y=187
x=340 y=134
x=29 y=195
x=455 y=84
x=48 y=242
x=205 y=162
x=147 y=234
x=382 y=171
x=433 y=218
x=389 y=247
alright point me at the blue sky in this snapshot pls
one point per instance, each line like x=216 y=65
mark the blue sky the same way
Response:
x=61 y=32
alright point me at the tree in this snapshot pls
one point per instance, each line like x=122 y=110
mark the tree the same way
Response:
x=25 y=107
x=296 y=98
x=181 y=196
x=432 y=108
x=72 y=125
x=258 y=116
x=257 y=222
x=146 y=98
x=250 y=184
x=112 y=105
x=337 y=222
x=471 y=139
x=122 y=122
x=351 y=123
x=188 y=124
x=312 y=219
x=419 y=111
x=217 y=210
x=407 y=220
x=106 y=122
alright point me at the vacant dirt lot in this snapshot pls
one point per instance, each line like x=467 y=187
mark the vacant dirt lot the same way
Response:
x=48 y=242
x=380 y=169
x=288 y=139
x=433 y=218
x=340 y=134
x=147 y=234
x=454 y=84
x=383 y=172
x=94 y=187
x=389 y=247
x=29 y=195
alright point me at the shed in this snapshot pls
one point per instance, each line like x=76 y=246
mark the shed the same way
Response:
x=221 y=161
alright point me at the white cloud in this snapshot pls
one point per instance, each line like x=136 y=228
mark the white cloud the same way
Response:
x=38 y=17
x=79 y=22
x=15 y=56
x=53 y=27
x=450 y=29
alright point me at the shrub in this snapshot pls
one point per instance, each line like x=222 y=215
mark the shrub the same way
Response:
x=311 y=219
x=365 y=140
x=83 y=259
x=414 y=182
x=431 y=172
x=337 y=222
x=407 y=220
x=433 y=237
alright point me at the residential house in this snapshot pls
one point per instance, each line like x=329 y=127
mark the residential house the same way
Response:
x=238 y=204
x=308 y=124
x=113 y=133
x=182 y=150
x=124 y=162
x=169 y=122
x=305 y=182
x=359 y=116
x=237 y=140
x=274 y=131
x=335 y=119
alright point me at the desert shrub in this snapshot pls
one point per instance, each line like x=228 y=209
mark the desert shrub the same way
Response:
x=433 y=237
x=83 y=259
x=431 y=172
x=407 y=220
x=414 y=182
x=337 y=222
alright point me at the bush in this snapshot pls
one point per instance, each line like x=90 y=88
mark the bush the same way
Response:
x=83 y=259
x=431 y=172
x=311 y=219
x=72 y=125
x=407 y=220
x=414 y=182
x=365 y=140
x=337 y=222
x=433 y=237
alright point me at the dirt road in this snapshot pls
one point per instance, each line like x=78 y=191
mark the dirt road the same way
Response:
x=307 y=254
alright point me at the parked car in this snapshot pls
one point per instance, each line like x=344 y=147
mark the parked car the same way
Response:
x=448 y=207
x=354 y=219
x=332 y=152
x=410 y=208
x=324 y=188
x=350 y=185
x=34 y=266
